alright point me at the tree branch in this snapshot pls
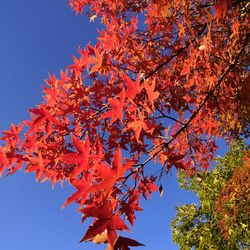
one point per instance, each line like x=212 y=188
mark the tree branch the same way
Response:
x=184 y=127
x=179 y=51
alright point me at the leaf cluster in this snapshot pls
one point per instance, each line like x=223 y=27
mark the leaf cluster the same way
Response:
x=213 y=223
x=165 y=80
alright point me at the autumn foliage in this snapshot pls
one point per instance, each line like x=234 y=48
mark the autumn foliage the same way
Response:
x=221 y=219
x=164 y=81
x=232 y=205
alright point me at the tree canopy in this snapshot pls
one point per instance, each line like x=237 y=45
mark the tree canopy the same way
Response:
x=222 y=218
x=164 y=81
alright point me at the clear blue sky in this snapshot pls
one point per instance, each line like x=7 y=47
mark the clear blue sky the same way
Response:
x=38 y=37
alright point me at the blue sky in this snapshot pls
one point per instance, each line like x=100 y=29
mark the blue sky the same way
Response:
x=38 y=37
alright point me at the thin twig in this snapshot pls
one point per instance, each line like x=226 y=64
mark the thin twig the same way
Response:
x=195 y=113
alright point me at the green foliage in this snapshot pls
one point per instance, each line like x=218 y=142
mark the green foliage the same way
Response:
x=221 y=220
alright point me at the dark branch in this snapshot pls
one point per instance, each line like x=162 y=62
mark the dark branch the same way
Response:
x=185 y=126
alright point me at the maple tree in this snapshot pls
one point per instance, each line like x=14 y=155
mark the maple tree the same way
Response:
x=221 y=219
x=164 y=81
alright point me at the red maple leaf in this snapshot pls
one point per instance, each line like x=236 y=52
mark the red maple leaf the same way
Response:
x=220 y=8
x=81 y=194
x=116 y=108
x=3 y=161
x=105 y=219
x=111 y=174
x=80 y=158
x=151 y=93
x=133 y=88
x=137 y=125
x=123 y=243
